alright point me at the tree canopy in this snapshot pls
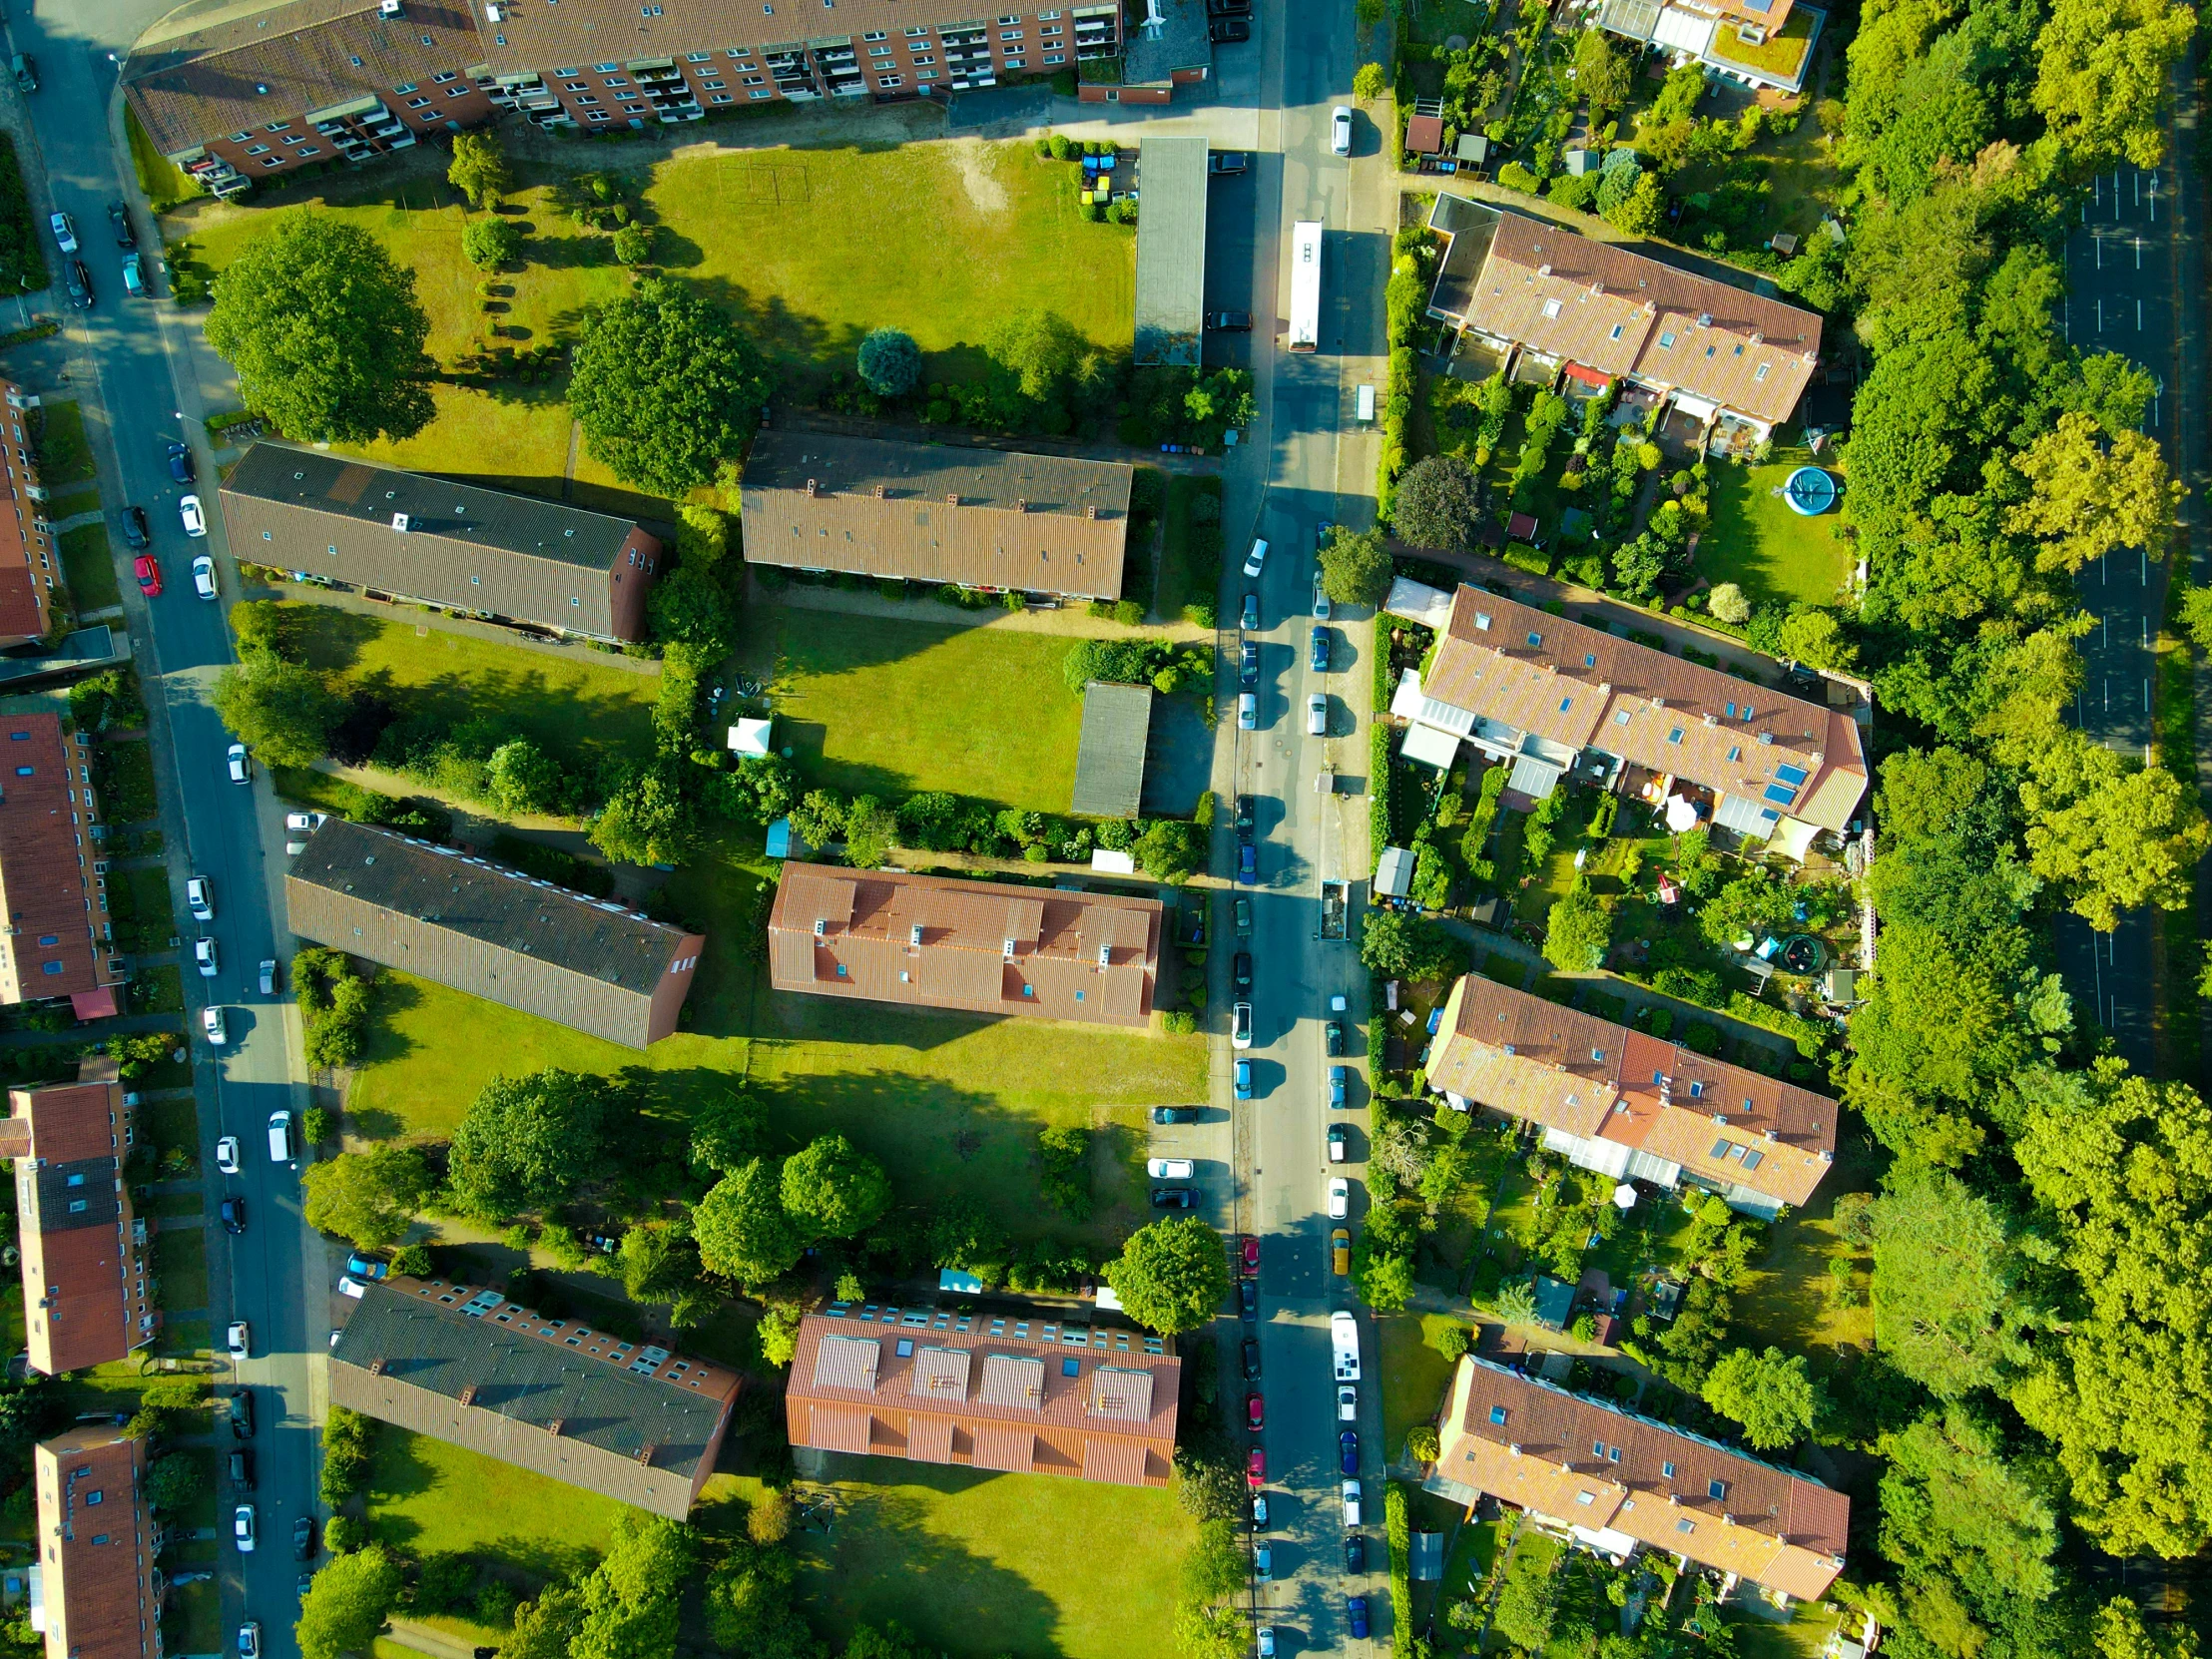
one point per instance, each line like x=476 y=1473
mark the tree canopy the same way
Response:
x=1356 y=567
x=368 y=1197
x=283 y=712
x=831 y=1191
x=1771 y=1394
x=346 y=1603
x=324 y=331
x=889 y=362
x=479 y=168
x=742 y=1229
x=1439 y=504
x=1171 y=1275
x=527 y=1143
x=665 y=388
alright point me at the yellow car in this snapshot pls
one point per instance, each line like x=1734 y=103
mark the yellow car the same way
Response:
x=1340 y=1250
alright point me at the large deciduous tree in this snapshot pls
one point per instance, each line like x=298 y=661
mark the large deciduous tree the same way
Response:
x=832 y=1191
x=2090 y=494
x=478 y=169
x=367 y=1197
x=1955 y=1285
x=649 y=819
x=1356 y=567
x=324 y=331
x=2100 y=82
x=346 y=1604
x=1771 y=1394
x=1171 y=1275
x=1040 y=351
x=527 y=1143
x=2113 y=834
x=1578 y=930
x=1951 y=1501
x=665 y=388
x=742 y=1228
x=283 y=712
x=1439 y=504
x=1400 y=946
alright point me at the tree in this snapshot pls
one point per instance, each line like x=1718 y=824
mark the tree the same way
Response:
x=759 y=787
x=870 y=828
x=173 y=1481
x=1578 y=931
x=1401 y=946
x=2115 y=833
x=750 y=1607
x=2090 y=494
x=2100 y=81
x=1356 y=567
x=633 y=245
x=348 y=1603
x=1953 y=1287
x=889 y=362
x=283 y=712
x=2123 y=1634
x=832 y=1191
x=630 y=1598
x=1601 y=74
x=489 y=244
x=727 y=1131
x=659 y=1264
x=819 y=818
x=1169 y=850
x=1369 y=82
x=324 y=331
x=1812 y=635
x=741 y=1229
x=1642 y=210
x=647 y=820
x=543 y=1628
x=664 y=388
x=1384 y=1278
x=520 y=778
x=526 y=1143
x=1172 y=1274
x=1951 y=1501
x=1439 y=504
x=1728 y=604
x=1771 y=1394
x=370 y=1197
x=1040 y=349
x=478 y=170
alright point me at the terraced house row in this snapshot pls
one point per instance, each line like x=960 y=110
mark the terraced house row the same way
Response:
x=250 y=94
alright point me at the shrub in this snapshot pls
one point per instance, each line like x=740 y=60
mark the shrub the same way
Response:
x=490 y=242
x=1513 y=176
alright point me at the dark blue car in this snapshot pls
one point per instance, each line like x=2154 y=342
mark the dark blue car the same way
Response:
x=1318 y=650
x=1347 y=1451
x=1248 y=865
x=1356 y=1611
x=180 y=463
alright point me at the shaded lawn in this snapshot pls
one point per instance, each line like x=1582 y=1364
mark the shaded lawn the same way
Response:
x=159 y=991
x=1757 y=542
x=161 y=180
x=982 y=1564
x=64 y=455
x=138 y=904
x=1415 y=1375
x=890 y=708
x=574 y=709
x=193 y=1621
x=88 y=568
x=1804 y=1637
x=172 y=1123
x=427 y=1494
x=1785 y=1301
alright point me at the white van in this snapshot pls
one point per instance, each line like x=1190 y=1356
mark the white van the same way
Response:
x=1363 y=405
x=280 y=1138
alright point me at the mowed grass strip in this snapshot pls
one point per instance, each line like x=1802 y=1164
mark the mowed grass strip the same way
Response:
x=426 y=1495
x=875 y=707
x=975 y=1563
x=88 y=566
x=1757 y=542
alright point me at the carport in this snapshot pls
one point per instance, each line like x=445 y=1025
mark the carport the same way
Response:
x=1171 y=250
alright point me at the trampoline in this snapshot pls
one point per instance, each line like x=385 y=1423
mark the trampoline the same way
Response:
x=1803 y=955
x=1810 y=491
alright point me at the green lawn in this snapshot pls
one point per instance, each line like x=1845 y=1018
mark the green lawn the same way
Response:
x=982 y=1564
x=88 y=568
x=137 y=905
x=161 y=990
x=890 y=708
x=180 y=1263
x=1785 y=1301
x=163 y=181
x=1415 y=1376
x=1757 y=542
x=427 y=1494
x=573 y=707
x=65 y=457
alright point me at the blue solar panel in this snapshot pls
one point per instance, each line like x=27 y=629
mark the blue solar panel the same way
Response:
x=1780 y=795
x=1792 y=775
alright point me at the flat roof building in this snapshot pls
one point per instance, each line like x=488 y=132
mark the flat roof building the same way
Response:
x=98 y=1592
x=982 y=518
x=928 y=942
x=1171 y=250
x=1109 y=759
x=407 y=535
x=85 y=1294
x=988 y=1392
x=1617 y=1482
x=630 y=1421
x=591 y=964
x=53 y=878
x=1632 y=1106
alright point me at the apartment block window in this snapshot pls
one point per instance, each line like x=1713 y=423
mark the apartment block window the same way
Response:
x=576 y=86
x=919 y=34
x=403 y=88
x=443 y=76
x=699 y=57
x=312 y=150
x=920 y=58
x=889 y=81
x=1055 y=57
x=273 y=161
x=1011 y=17
x=926 y=75
x=568 y=72
x=1052 y=31
x=875 y=34
x=236 y=137
x=257 y=150
x=417 y=103
x=606 y=67
x=880 y=51
x=1013 y=63
x=760 y=95
x=277 y=127
x=458 y=92
x=626 y=98
x=595 y=114
x=753 y=80
x=741 y=51
x=1046 y=17
x=588 y=99
x=722 y=97
x=715 y=85
x=1013 y=35
x=618 y=80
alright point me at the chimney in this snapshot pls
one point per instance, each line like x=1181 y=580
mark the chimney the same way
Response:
x=1105 y=955
x=1009 y=950
x=1022 y=503
x=953 y=500
x=879 y=492
x=811 y=487
x=914 y=934
x=1090 y=512
x=821 y=927
x=555 y=1427
x=399 y=522
x=468 y=1395
x=645 y=1453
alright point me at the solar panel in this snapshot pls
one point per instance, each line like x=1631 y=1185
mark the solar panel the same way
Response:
x=1780 y=793
x=1792 y=775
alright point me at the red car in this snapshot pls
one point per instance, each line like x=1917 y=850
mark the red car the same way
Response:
x=1256 y=1468
x=149 y=575
x=1251 y=1250
x=1255 y=1411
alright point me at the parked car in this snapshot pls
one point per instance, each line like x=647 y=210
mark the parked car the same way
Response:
x=180 y=463
x=1175 y=1198
x=303 y=1538
x=65 y=231
x=1351 y=1503
x=118 y=221
x=241 y=1414
x=1258 y=1511
x=135 y=530
x=1347 y=1403
x=367 y=1267
x=1228 y=31
x=1356 y=1614
x=242 y=1521
x=304 y=824
x=1267 y=1641
x=1248 y=816
x=1248 y=663
x=134 y=277
x=1244 y=1079
x=200 y=898
x=1256 y=1468
x=1316 y=651
x=1355 y=1553
x=1317 y=716
x=267 y=976
x=1248 y=712
x=1250 y=1360
x=1347 y=1451
x=1256 y=1413
x=1332 y=1042
x=1248 y=1299
x=149 y=574
x=1340 y=130
x=226 y=1155
x=1248 y=617
x=233 y=1211
x=24 y=67
x=1230 y=323
x=202 y=955
x=241 y=1468
x=1339 y=1198
x=79 y=282
x=1247 y=1253
x=203 y=573
x=1243 y=909
x=1320 y=600
x=250 y=1637
x=1240 y=1025
x=1175 y=1114
x=349 y=1285
x=241 y=1339
x=234 y=758
x=1263 y=1560
x=1256 y=558
x=196 y=521
x=1336 y=1087
x=1248 y=865
x=1336 y=1143
x=1241 y=970
x=1170 y=1169
x=211 y=1022
x=1227 y=161
x=1340 y=1250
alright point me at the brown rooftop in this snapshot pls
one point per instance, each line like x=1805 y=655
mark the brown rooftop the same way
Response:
x=990 y=948
x=57 y=913
x=96 y=1545
x=1020 y=1394
x=937 y=513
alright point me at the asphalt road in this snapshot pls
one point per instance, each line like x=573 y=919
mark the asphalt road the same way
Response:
x=133 y=377
x=2123 y=297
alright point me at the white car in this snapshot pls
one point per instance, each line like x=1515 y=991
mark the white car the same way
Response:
x=240 y=1340
x=1170 y=1169
x=1248 y=712
x=349 y=1285
x=241 y=1527
x=200 y=898
x=304 y=824
x=236 y=754
x=196 y=521
x=65 y=233
x=250 y=1639
x=1339 y=1198
x=211 y=1022
x=1320 y=600
x=269 y=976
x=202 y=954
x=1267 y=1641
x=202 y=570
x=1317 y=716
x=1257 y=558
x=1347 y=1403
x=1351 y=1503
x=1340 y=129
x=226 y=1155
x=1240 y=1025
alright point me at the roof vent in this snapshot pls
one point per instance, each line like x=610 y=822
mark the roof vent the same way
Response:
x=387 y=8
x=1770 y=1135
x=399 y=522
x=1022 y=503
x=1705 y=320
x=1514 y=1448
x=953 y=500
x=1543 y=271
x=913 y=934
x=879 y=492
x=376 y=1367
x=1090 y=512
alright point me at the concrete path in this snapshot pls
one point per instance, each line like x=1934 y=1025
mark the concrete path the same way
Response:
x=415 y=1634
x=1069 y=621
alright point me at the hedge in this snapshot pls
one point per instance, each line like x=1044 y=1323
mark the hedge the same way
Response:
x=1399 y=1530
x=1379 y=791
x=1808 y=1035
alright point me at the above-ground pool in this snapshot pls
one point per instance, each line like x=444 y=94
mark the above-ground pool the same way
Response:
x=1809 y=491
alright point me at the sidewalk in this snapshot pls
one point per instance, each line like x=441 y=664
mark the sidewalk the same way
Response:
x=792 y=419
x=1069 y=621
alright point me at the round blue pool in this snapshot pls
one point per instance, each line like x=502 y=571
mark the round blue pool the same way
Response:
x=1810 y=491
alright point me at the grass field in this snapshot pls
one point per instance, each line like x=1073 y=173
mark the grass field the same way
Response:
x=1757 y=542
x=575 y=709
x=953 y=234
x=890 y=708
x=1415 y=1375
x=986 y=1564
x=64 y=455
x=88 y=568
x=429 y=1494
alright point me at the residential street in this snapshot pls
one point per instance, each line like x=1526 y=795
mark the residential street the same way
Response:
x=131 y=371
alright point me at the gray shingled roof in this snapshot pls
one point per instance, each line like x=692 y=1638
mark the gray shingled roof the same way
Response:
x=1171 y=247
x=1109 y=761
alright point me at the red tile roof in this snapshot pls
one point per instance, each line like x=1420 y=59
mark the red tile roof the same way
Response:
x=96 y=1545
x=56 y=911
x=27 y=550
x=930 y=941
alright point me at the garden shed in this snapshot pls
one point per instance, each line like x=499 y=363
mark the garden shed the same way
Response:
x=1171 y=250
x=1109 y=760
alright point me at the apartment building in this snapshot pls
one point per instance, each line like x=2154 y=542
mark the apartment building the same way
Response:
x=252 y=94
x=28 y=555
x=53 y=878
x=95 y=1590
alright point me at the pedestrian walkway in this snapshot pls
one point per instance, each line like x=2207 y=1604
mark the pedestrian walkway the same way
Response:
x=1068 y=621
x=860 y=426
x=308 y=593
